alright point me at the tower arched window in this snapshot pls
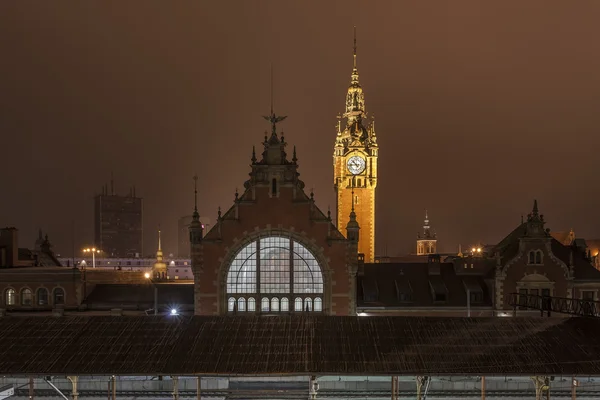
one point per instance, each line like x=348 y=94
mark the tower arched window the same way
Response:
x=58 y=296
x=277 y=270
x=10 y=297
x=26 y=297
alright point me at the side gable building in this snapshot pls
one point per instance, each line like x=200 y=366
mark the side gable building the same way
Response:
x=528 y=261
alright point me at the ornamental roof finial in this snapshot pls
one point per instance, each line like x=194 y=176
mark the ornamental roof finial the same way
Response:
x=272 y=118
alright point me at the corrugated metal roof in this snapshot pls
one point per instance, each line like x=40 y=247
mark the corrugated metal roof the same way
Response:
x=298 y=344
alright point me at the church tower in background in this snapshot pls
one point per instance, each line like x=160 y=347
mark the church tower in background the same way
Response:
x=355 y=166
x=426 y=242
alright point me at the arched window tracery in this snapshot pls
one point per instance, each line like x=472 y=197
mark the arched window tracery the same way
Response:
x=277 y=270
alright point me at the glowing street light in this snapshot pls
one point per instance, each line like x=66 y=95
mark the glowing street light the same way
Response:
x=147 y=276
x=92 y=250
x=173 y=311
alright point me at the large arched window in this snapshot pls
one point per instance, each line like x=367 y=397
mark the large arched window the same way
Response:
x=274 y=272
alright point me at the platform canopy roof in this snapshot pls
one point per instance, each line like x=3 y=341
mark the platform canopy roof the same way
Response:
x=298 y=345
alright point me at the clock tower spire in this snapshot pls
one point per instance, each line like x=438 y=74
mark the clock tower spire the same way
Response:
x=355 y=164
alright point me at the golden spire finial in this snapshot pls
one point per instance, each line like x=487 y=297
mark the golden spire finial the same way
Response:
x=159 y=245
x=159 y=253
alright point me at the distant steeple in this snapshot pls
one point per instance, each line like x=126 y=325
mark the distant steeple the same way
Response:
x=159 y=253
x=195 y=226
x=427 y=234
x=427 y=242
x=159 y=269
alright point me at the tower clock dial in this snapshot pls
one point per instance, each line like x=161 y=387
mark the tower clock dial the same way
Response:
x=356 y=165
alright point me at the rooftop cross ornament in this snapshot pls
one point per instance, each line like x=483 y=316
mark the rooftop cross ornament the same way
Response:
x=273 y=119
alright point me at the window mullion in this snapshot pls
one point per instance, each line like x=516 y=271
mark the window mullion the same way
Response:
x=291 y=291
x=258 y=267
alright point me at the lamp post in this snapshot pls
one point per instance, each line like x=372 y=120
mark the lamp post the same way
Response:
x=92 y=250
x=148 y=276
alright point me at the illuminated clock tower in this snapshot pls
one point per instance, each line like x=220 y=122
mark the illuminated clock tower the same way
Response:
x=355 y=166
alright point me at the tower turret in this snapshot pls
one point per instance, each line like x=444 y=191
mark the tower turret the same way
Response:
x=352 y=227
x=195 y=226
x=355 y=164
x=426 y=242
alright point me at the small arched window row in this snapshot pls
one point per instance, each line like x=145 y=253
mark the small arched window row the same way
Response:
x=27 y=299
x=535 y=257
x=274 y=304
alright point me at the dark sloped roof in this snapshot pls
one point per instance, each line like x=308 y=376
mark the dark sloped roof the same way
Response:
x=391 y=277
x=584 y=270
x=127 y=295
x=298 y=344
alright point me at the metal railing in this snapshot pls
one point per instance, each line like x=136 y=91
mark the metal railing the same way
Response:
x=549 y=304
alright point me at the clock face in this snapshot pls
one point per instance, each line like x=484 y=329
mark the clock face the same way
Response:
x=356 y=165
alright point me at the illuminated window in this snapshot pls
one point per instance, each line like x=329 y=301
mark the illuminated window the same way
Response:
x=26 y=297
x=274 y=304
x=318 y=304
x=264 y=305
x=285 y=304
x=277 y=266
x=10 y=297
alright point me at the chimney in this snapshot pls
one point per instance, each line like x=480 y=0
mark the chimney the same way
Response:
x=433 y=264
x=9 y=239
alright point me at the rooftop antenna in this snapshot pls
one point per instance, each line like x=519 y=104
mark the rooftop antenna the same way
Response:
x=352 y=194
x=73 y=241
x=354 y=47
x=272 y=89
x=112 y=184
x=195 y=193
x=273 y=119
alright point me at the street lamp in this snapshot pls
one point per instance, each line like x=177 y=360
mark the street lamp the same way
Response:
x=92 y=250
x=149 y=278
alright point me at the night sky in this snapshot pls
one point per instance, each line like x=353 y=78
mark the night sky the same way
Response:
x=479 y=107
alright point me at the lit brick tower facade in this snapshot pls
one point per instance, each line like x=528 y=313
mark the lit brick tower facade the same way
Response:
x=355 y=167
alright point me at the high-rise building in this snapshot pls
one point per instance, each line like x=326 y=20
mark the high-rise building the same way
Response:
x=118 y=224
x=355 y=167
x=183 y=234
